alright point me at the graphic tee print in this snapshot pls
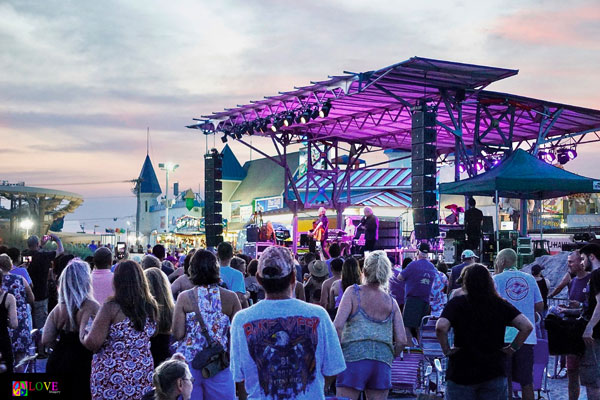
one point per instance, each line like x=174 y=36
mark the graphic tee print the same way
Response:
x=282 y=349
x=284 y=352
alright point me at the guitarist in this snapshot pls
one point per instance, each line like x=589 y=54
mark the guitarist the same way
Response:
x=320 y=227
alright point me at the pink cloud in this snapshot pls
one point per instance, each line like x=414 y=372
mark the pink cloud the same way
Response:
x=568 y=26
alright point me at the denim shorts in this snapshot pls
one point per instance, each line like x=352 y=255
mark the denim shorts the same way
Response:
x=589 y=366
x=366 y=374
x=494 y=389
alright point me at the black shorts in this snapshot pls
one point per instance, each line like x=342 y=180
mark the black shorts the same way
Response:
x=520 y=365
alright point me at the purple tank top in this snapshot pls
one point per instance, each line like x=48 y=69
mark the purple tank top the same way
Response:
x=577 y=288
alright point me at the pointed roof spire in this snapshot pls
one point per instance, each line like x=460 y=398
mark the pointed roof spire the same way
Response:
x=149 y=182
x=232 y=169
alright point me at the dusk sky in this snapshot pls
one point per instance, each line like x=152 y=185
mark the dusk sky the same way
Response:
x=81 y=81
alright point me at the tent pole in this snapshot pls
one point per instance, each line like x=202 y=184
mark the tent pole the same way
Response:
x=497 y=225
x=541 y=224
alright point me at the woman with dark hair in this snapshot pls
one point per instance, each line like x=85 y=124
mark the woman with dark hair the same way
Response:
x=75 y=307
x=217 y=307
x=161 y=291
x=120 y=337
x=17 y=286
x=256 y=291
x=183 y=282
x=8 y=320
x=479 y=318
x=351 y=275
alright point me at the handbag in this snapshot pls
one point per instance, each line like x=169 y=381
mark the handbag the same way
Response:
x=565 y=335
x=213 y=358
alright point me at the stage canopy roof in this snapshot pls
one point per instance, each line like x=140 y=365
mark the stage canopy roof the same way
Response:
x=523 y=176
x=374 y=108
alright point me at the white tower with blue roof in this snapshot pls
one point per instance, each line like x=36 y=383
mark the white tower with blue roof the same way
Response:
x=149 y=189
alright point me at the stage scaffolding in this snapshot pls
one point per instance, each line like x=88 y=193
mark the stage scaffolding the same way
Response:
x=371 y=111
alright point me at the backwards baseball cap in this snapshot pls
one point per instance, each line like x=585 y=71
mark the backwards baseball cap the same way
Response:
x=275 y=262
x=424 y=247
x=468 y=254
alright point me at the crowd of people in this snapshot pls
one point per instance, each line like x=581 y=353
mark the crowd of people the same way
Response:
x=220 y=325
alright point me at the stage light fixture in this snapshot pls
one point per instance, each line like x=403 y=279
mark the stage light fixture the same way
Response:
x=263 y=124
x=224 y=138
x=325 y=109
x=305 y=117
x=462 y=168
x=572 y=153
x=277 y=123
x=542 y=155
x=288 y=119
x=479 y=165
x=563 y=156
x=547 y=156
x=238 y=135
x=315 y=113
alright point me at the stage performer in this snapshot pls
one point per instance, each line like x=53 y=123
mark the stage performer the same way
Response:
x=370 y=225
x=473 y=223
x=320 y=228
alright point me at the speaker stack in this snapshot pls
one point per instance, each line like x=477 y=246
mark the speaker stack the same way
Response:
x=424 y=137
x=213 y=196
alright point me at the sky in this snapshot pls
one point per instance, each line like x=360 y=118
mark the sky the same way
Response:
x=82 y=81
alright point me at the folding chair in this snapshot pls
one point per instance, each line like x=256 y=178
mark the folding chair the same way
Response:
x=541 y=356
x=433 y=355
x=406 y=370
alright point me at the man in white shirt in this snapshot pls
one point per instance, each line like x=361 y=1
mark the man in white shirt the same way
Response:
x=521 y=290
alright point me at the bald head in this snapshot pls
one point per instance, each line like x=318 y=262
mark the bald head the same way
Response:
x=506 y=258
x=574 y=262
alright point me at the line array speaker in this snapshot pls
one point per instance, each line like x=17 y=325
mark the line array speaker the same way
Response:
x=423 y=139
x=213 y=196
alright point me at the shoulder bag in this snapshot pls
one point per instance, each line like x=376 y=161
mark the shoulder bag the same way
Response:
x=213 y=358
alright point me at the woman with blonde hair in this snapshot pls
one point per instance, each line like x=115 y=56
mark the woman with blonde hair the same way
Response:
x=161 y=291
x=371 y=331
x=76 y=305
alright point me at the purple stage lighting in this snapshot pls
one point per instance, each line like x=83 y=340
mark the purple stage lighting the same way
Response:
x=461 y=168
x=572 y=153
x=479 y=165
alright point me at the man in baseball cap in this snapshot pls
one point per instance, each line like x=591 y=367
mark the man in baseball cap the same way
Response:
x=467 y=257
x=283 y=328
